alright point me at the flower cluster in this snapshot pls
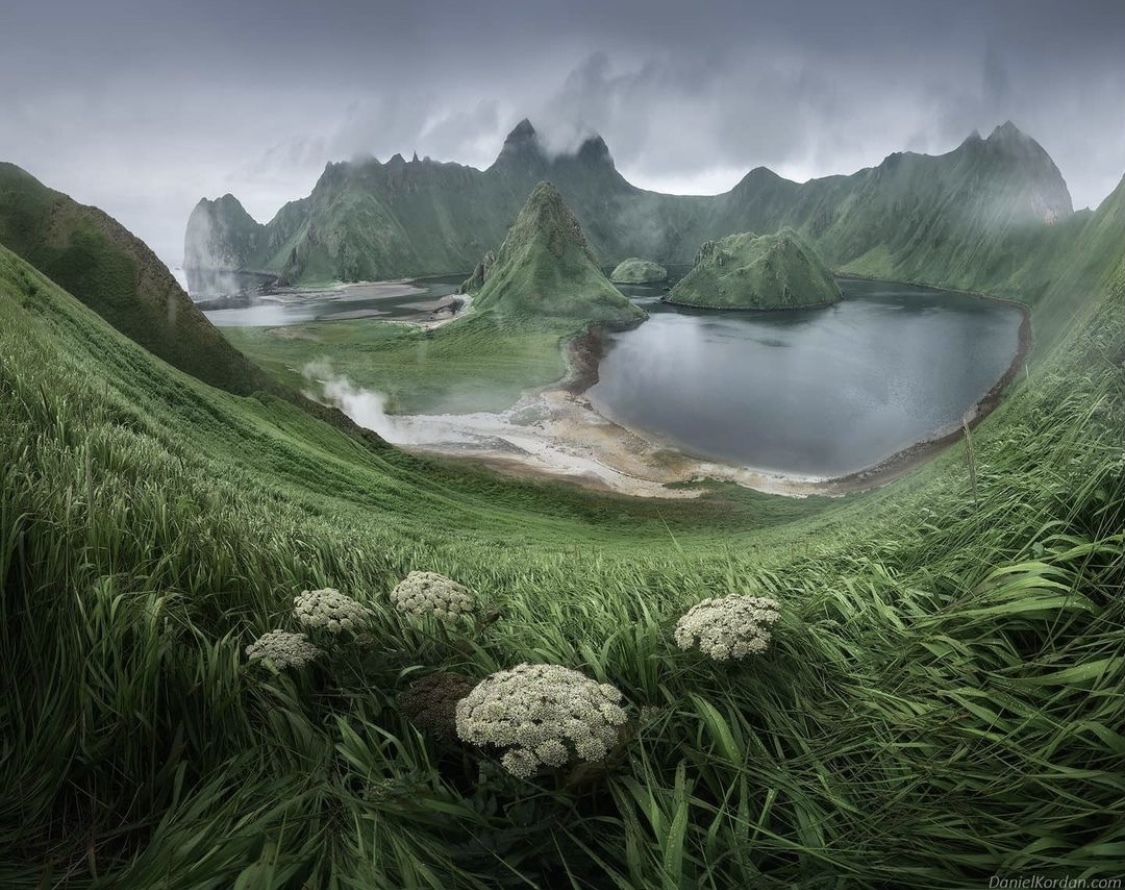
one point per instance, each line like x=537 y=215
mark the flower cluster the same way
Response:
x=427 y=593
x=544 y=714
x=329 y=609
x=728 y=627
x=283 y=649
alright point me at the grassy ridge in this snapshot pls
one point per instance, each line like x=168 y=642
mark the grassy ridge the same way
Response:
x=119 y=277
x=963 y=220
x=941 y=702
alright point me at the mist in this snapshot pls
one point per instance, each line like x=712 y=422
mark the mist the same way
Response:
x=368 y=408
x=256 y=99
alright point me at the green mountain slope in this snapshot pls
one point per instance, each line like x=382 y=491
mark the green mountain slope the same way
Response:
x=943 y=220
x=119 y=277
x=940 y=641
x=546 y=268
x=749 y=271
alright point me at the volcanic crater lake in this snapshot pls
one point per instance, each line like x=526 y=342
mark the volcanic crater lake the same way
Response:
x=812 y=392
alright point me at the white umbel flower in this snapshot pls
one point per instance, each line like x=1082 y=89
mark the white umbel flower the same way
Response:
x=728 y=627
x=330 y=609
x=545 y=714
x=428 y=593
x=283 y=649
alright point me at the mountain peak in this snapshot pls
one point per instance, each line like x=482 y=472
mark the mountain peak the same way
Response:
x=545 y=267
x=545 y=197
x=594 y=150
x=1008 y=132
x=522 y=152
x=523 y=132
x=1010 y=155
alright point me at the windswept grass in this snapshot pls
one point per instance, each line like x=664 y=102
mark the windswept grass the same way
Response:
x=941 y=701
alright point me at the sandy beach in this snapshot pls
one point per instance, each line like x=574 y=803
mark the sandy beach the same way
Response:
x=557 y=434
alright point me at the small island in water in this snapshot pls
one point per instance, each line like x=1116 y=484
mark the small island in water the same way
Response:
x=748 y=271
x=637 y=271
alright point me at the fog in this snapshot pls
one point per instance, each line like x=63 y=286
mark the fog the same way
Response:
x=142 y=109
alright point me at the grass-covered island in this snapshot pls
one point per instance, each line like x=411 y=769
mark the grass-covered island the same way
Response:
x=748 y=271
x=637 y=271
x=546 y=268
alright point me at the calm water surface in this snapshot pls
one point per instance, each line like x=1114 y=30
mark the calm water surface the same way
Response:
x=820 y=392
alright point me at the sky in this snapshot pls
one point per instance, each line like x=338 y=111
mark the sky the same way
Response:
x=142 y=107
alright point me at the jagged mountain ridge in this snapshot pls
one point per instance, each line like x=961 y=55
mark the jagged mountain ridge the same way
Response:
x=913 y=217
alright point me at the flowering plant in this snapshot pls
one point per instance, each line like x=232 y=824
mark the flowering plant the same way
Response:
x=544 y=714
x=282 y=649
x=428 y=593
x=330 y=609
x=728 y=627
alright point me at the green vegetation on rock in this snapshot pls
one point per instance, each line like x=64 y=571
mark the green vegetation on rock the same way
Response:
x=959 y=220
x=749 y=271
x=637 y=271
x=119 y=277
x=546 y=268
x=940 y=701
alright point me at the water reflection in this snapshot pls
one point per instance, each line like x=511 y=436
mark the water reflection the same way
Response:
x=819 y=391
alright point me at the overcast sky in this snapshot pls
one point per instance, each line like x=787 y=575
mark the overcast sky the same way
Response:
x=143 y=106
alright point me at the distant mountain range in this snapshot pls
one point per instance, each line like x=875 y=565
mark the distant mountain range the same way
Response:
x=908 y=218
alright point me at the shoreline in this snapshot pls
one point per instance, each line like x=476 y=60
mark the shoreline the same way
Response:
x=555 y=433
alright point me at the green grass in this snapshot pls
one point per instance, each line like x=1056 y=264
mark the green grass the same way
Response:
x=941 y=703
x=479 y=363
x=113 y=272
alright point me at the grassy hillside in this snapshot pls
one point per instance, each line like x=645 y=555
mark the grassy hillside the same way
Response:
x=114 y=273
x=479 y=363
x=545 y=268
x=940 y=704
x=748 y=271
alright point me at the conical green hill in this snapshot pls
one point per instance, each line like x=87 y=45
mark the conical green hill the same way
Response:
x=748 y=271
x=546 y=268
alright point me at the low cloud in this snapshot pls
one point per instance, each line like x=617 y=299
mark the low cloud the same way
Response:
x=365 y=406
x=255 y=98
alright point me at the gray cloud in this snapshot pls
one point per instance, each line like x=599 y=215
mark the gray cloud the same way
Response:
x=144 y=107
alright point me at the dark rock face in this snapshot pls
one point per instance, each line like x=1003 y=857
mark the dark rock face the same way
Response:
x=476 y=281
x=221 y=235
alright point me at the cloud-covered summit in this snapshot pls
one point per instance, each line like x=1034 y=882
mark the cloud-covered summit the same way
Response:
x=142 y=107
